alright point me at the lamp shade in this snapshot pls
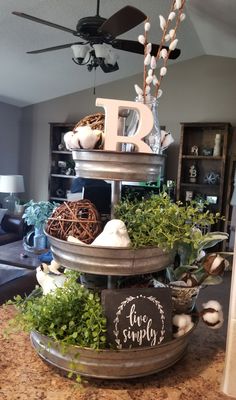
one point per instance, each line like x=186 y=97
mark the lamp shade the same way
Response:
x=11 y=184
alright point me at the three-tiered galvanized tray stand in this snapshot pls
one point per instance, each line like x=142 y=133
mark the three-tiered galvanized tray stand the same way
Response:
x=110 y=261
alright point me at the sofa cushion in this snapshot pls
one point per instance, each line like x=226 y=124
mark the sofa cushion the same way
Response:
x=9 y=273
x=2 y=213
x=15 y=280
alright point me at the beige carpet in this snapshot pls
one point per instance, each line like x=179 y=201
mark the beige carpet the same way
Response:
x=23 y=376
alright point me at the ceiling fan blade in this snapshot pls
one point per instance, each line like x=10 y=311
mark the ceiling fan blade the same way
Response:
x=135 y=47
x=122 y=21
x=62 y=46
x=42 y=21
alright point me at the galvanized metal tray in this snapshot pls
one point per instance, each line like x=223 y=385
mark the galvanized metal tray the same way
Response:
x=115 y=165
x=108 y=260
x=111 y=364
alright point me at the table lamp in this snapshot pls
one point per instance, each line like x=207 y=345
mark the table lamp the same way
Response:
x=11 y=184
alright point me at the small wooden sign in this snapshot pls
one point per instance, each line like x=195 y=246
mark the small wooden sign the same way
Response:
x=138 y=317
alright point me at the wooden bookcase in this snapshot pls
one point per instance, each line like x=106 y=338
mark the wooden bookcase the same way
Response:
x=59 y=177
x=197 y=144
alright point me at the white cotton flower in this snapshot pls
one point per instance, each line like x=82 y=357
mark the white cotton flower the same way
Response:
x=183 y=323
x=138 y=90
x=213 y=304
x=67 y=139
x=178 y=4
x=153 y=62
x=149 y=47
x=141 y=39
x=149 y=79
x=182 y=17
x=147 y=26
x=162 y=22
x=159 y=93
x=167 y=37
x=163 y=71
x=147 y=59
x=212 y=314
x=171 y=16
x=163 y=53
x=172 y=33
x=173 y=44
x=150 y=71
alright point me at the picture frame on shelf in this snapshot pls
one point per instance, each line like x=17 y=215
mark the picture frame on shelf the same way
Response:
x=212 y=199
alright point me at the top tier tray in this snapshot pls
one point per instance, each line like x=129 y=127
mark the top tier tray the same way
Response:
x=117 y=166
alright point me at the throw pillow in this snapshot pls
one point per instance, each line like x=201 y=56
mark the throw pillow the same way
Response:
x=2 y=213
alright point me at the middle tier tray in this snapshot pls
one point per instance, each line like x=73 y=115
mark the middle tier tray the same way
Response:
x=109 y=260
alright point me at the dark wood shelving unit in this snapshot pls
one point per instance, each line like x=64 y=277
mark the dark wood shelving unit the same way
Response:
x=202 y=135
x=59 y=182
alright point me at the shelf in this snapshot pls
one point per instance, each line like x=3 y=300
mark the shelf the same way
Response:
x=61 y=152
x=58 y=198
x=199 y=185
x=209 y=158
x=62 y=176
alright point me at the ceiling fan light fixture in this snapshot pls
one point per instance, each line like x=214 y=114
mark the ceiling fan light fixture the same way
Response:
x=80 y=50
x=96 y=55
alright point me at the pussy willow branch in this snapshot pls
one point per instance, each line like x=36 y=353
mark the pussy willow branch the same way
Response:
x=163 y=38
x=145 y=67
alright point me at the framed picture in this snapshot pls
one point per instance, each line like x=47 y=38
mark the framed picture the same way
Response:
x=212 y=199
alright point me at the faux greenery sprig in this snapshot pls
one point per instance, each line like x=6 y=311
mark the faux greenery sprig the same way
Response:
x=158 y=221
x=36 y=213
x=71 y=315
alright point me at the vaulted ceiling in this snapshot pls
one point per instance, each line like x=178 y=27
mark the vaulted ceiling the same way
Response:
x=27 y=79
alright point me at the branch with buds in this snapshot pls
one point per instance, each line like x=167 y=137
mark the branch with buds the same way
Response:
x=176 y=16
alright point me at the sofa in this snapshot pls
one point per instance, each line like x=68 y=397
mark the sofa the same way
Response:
x=12 y=228
x=14 y=280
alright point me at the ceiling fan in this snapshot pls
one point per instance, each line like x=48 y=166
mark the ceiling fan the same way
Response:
x=100 y=35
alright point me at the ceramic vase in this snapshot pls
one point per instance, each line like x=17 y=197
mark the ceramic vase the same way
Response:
x=183 y=297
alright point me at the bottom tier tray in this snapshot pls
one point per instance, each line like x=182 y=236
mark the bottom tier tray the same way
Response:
x=111 y=364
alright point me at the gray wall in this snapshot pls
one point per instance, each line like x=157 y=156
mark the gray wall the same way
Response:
x=10 y=121
x=198 y=90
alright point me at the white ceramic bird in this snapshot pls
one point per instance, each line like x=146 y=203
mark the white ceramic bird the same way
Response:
x=54 y=267
x=73 y=239
x=114 y=234
x=48 y=282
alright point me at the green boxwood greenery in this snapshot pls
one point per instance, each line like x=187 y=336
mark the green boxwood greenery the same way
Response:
x=158 y=221
x=72 y=315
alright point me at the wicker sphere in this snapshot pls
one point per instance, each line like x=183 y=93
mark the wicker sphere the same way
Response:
x=76 y=218
x=95 y=121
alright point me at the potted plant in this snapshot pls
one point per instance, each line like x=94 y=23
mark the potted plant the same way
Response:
x=173 y=226
x=36 y=214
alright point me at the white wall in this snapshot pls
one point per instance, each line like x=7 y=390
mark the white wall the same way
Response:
x=198 y=90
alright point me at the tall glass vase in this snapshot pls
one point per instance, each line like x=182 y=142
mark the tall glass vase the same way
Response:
x=40 y=239
x=154 y=137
